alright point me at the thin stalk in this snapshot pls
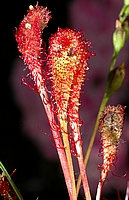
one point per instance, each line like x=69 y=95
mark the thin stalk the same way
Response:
x=104 y=101
x=84 y=175
x=84 y=178
x=62 y=116
x=99 y=190
x=78 y=145
x=113 y=61
x=65 y=138
x=58 y=141
x=102 y=106
x=11 y=181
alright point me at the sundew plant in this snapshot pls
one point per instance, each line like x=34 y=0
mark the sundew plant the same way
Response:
x=57 y=74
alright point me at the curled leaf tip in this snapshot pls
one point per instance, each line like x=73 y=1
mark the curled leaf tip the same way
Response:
x=29 y=38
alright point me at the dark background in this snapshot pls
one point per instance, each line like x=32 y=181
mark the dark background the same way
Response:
x=16 y=151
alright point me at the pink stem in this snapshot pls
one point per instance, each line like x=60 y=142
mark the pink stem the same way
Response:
x=99 y=190
x=84 y=176
x=78 y=145
x=57 y=139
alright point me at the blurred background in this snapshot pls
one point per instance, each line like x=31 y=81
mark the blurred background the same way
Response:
x=24 y=146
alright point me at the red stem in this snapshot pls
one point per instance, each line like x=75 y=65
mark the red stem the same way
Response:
x=78 y=145
x=58 y=140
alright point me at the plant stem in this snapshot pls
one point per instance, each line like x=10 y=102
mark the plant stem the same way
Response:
x=104 y=101
x=68 y=154
x=113 y=61
x=58 y=141
x=78 y=145
x=62 y=117
x=11 y=181
x=84 y=177
x=99 y=190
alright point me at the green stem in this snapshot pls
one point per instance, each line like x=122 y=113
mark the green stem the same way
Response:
x=113 y=61
x=10 y=181
x=112 y=64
